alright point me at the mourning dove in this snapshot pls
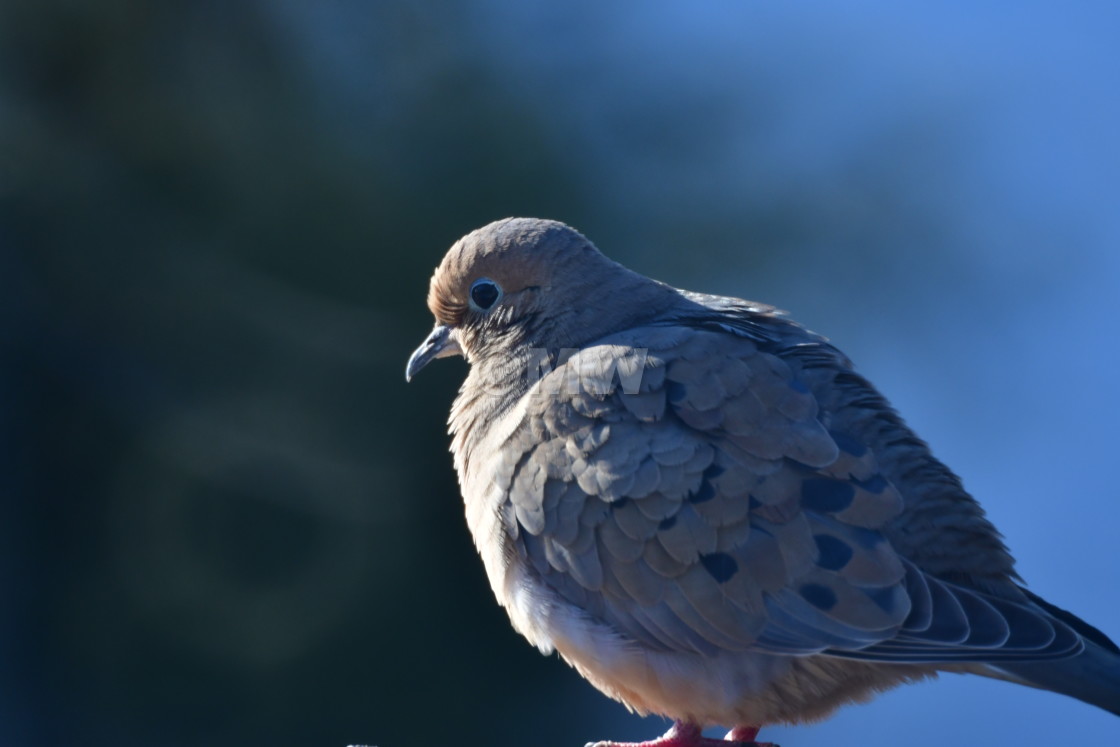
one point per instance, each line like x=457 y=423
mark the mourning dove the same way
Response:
x=706 y=511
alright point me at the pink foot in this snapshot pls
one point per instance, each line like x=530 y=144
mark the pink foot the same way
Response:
x=683 y=734
x=745 y=735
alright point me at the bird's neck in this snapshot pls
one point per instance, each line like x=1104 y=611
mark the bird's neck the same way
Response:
x=612 y=301
x=495 y=383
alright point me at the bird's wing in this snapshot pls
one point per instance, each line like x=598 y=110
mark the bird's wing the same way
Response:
x=680 y=485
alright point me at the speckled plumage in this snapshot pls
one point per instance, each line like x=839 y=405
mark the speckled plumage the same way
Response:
x=706 y=511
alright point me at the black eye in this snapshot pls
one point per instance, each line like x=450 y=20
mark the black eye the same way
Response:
x=484 y=293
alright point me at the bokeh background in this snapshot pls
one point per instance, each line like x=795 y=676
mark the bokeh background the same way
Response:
x=224 y=518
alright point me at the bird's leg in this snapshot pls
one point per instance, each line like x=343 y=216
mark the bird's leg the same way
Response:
x=686 y=734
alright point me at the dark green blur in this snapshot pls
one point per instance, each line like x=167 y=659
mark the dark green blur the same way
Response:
x=226 y=518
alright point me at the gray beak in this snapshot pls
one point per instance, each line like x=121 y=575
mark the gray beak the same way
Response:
x=441 y=343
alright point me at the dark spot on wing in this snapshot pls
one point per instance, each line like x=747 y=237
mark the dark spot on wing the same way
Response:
x=821 y=597
x=713 y=470
x=676 y=392
x=834 y=552
x=704 y=493
x=667 y=523
x=823 y=494
x=720 y=565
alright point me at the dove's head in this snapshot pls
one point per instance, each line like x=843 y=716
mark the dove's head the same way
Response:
x=527 y=282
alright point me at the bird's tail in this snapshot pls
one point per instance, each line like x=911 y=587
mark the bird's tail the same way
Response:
x=1092 y=676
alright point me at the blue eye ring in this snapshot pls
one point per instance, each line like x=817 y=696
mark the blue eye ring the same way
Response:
x=484 y=294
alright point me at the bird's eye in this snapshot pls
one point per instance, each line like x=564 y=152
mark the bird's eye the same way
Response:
x=484 y=294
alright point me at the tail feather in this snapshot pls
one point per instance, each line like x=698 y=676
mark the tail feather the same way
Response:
x=1084 y=629
x=1093 y=676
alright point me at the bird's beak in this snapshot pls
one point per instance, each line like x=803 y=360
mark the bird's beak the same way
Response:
x=440 y=344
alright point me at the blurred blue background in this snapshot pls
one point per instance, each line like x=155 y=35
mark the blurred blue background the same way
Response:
x=226 y=520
